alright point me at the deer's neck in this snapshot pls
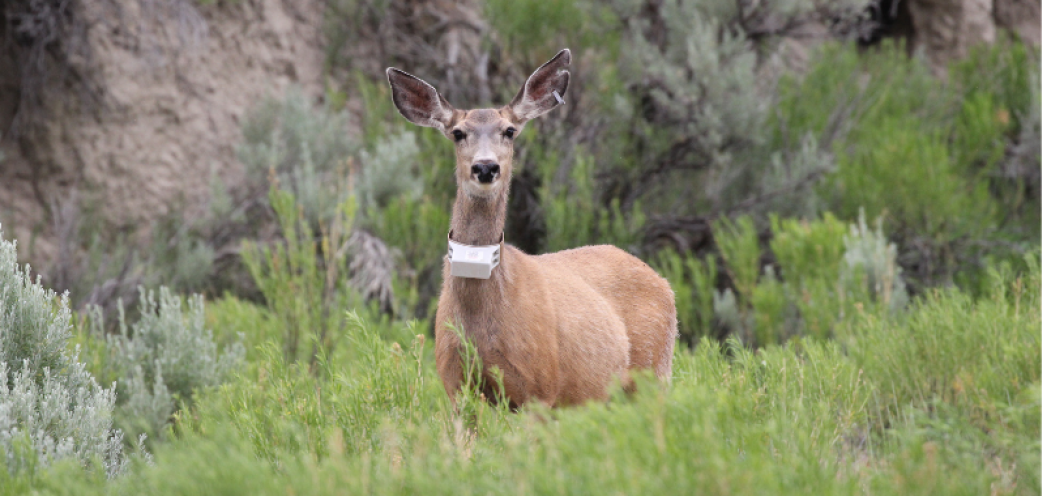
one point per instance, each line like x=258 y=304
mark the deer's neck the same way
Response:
x=478 y=221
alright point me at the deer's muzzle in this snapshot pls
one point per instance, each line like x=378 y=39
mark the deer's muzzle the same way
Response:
x=486 y=172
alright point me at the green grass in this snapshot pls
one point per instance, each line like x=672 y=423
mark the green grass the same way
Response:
x=943 y=399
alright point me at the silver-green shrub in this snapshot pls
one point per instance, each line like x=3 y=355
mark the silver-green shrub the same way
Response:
x=304 y=148
x=312 y=151
x=50 y=406
x=389 y=171
x=872 y=259
x=703 y=81
x=165 y=356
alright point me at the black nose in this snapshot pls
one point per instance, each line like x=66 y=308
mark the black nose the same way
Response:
x=486 y=173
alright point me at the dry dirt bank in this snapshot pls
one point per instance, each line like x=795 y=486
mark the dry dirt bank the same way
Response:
x=173 y=78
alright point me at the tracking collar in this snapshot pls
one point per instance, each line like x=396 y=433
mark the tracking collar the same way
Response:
x=474 y=262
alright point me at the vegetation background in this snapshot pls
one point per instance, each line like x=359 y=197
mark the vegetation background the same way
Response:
x=844 y=195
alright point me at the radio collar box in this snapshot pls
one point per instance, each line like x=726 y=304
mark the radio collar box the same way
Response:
x=475 y=262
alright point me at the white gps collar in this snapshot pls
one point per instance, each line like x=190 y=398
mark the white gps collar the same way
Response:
x=474 y=262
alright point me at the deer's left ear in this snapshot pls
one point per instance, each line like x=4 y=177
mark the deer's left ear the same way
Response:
x=537 y=96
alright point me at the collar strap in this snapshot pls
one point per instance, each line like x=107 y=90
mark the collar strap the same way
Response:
x=475 y=262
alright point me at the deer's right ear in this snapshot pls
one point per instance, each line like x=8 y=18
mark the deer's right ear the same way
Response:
x=418 y=101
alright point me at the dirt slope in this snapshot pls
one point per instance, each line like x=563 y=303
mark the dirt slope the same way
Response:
x=175 y=77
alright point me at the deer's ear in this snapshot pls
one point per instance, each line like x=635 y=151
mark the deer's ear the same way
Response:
x=537 y=96
x=418 y=101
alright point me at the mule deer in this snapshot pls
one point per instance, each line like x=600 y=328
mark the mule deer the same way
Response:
x=561 y=327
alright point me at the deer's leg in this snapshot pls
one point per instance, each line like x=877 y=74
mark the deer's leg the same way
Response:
x=449 y=363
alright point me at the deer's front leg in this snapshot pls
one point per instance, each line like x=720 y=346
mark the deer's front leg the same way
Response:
x=449 y=361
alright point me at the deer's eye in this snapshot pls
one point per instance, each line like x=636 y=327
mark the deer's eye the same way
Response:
x=509 y=132
x=458 y=135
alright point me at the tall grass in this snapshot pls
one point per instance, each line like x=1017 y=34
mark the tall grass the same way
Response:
x=305 y=294
x=942 y=400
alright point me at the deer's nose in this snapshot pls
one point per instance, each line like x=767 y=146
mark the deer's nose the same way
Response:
x=486 y=172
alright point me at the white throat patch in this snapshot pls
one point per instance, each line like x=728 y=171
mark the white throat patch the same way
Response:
x=474 y=262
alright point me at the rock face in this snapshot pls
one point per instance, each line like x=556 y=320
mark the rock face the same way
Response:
x=945 y=29
x=174 y=79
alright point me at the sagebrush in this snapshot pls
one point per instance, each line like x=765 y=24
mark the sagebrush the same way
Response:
x=51 y=408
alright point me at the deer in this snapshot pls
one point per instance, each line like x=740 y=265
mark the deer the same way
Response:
x=561 y=328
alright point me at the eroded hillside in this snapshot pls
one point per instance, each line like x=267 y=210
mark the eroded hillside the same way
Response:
x=146 y=107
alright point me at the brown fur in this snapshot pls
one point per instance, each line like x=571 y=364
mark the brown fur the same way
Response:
x=561 y=327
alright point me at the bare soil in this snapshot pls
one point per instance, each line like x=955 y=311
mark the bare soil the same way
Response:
x=176 y=76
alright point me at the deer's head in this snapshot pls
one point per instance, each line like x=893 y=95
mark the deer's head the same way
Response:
x=483 y=138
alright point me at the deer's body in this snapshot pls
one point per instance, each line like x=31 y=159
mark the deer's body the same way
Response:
x=561 y=327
